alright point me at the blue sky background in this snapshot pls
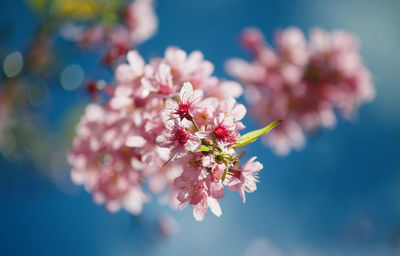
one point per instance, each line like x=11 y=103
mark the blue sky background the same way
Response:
x=340 y=195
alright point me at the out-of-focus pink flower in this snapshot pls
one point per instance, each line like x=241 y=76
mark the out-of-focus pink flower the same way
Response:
x=141 y=20
x=302 y=82
x=263 y=246
x=159 y=79
x=128 y=73
x=292 y=46
x=91 y=36
x=138 y=25
x=102 y=162
x=285 y=139
x=117 y=51
x=167 y=226
x=253 y=39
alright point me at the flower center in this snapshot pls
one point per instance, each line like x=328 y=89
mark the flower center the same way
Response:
x=182 y=136
x=220 y=132
x=183 y=111
x=235 y=173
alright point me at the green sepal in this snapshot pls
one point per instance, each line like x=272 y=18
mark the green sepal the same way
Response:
x=203 y=148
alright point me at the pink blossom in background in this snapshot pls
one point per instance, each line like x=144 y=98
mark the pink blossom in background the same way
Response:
x=141 y=20
x=138 y=24
x=167 y=226
x=302 y=82
x=169 y=125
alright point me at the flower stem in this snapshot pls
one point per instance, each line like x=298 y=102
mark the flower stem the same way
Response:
x=195 y=125
x=224 y=174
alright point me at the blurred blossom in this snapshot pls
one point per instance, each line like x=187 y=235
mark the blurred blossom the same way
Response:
x=71 y=31
x=72 y=77
x=302 y=82
x=13 y=64
x=141 y=20
x=261 y=246
x=167 y=226
x=137 y=24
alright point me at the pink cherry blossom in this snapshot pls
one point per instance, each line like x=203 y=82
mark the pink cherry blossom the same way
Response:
x=302 y=82
x=128 y=73
x=178 y=139
x=186 y=103
x=194 y=191
x=167 y=126
x=223 y=130
x=159 y=79
x=244 y=180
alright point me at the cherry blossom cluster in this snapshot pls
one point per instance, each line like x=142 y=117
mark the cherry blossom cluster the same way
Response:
x=168 y=125
x=302 y=82
x=137 y=25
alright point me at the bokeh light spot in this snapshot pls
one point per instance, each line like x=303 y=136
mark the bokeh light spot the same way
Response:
x=72 y=77
x=13 y=64
x=101 y=84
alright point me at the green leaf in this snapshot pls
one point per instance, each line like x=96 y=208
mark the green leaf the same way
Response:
x=203 y=148
x=254 y=135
